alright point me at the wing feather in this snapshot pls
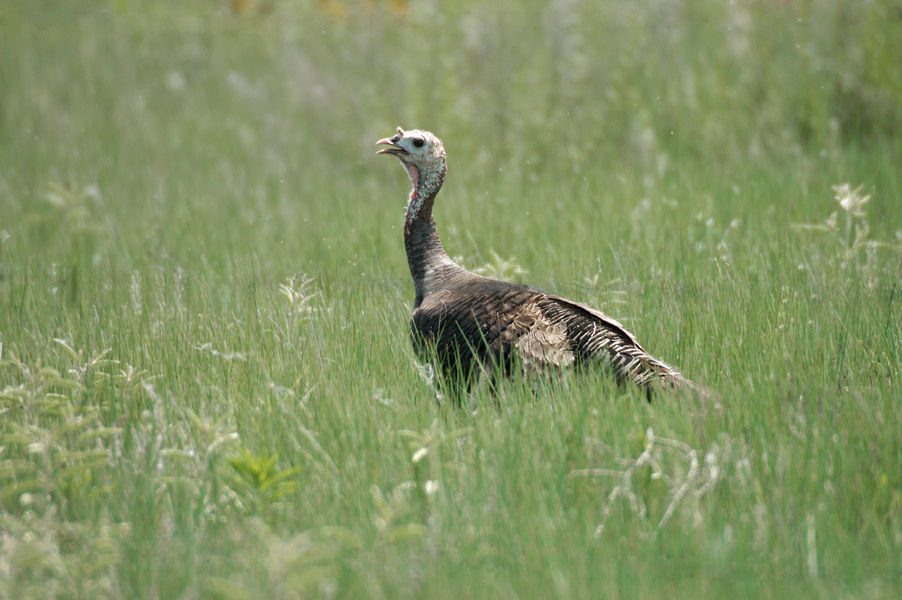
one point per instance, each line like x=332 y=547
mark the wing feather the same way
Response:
x=483 y=321
x=596 y=336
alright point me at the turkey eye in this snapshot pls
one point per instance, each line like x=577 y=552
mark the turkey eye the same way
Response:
x=418 y=143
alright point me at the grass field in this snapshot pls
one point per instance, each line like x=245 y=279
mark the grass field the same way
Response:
x=206 y=385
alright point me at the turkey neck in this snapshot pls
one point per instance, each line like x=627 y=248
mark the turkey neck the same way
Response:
x=429 y=263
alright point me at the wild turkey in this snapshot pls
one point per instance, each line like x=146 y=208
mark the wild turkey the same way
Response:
x=468 y=323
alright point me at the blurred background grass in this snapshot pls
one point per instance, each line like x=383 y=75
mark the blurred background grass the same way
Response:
x=278 y=103
x=189 y=189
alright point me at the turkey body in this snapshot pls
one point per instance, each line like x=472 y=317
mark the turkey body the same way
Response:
x=469 y=325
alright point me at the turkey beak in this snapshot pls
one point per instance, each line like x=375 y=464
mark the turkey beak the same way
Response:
x=395 y=149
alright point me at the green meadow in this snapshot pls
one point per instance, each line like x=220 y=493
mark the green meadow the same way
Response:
x=207 y=388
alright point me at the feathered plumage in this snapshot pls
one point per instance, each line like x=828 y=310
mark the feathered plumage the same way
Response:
x=467 y=322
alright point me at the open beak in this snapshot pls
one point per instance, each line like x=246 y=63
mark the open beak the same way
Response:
x=392 y=141
x=395 y=149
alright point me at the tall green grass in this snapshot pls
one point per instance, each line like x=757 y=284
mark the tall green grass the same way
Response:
x=206 y=384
